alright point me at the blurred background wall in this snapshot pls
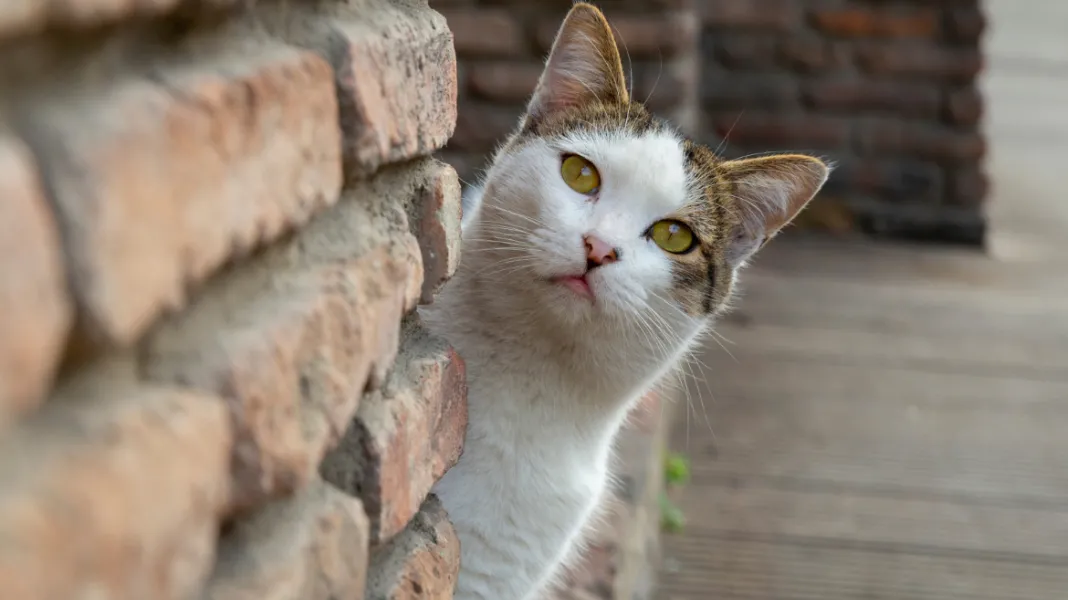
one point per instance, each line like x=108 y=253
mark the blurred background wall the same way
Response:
x=887 y=88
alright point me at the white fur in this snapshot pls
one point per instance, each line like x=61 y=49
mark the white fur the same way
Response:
x=551 y=376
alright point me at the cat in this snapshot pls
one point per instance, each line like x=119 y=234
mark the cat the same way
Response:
x=595 y=255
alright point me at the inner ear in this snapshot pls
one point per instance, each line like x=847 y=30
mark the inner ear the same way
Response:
x=583 y=67
x=768 y=192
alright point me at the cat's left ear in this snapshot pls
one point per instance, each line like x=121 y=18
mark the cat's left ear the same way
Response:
x=769 y=192
x=583 y=66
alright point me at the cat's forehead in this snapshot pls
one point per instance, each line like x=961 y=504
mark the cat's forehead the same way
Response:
x=650 y=165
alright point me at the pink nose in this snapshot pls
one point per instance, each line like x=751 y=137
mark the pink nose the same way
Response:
x=599 y=252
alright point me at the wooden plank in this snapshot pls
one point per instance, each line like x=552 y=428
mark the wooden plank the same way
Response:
x=719 y=567
x=924 y=525
x=974 y=355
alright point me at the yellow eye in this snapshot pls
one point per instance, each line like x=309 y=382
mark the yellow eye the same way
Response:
x=580 y=174
x=672 y=236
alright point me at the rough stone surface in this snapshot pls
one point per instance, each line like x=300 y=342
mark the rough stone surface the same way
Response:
x=24 y=17
x=292 y=339
x=405 y=436
x=396 y=75
x=421 y=563
x=112 y=490
x=36 y=310
x=435 y=218
x=157 y=181
x=312 y=546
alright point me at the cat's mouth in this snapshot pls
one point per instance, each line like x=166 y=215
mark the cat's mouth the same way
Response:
x=577 y=284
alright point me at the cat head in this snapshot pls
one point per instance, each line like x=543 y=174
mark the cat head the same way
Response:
x=595 y=209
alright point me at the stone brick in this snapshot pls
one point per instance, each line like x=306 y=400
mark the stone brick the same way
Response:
x=486 y=32
x=742 y=50
x=509 y=82
x=752 y=130
x=853 y=95
x=967 y=186
x=964 y=23
x=964 y=106
x=435 y=215
x=405 y=436
x=812 y=54
x=480 y=127
x=724 y=90
x=961 y=65
x=312 y=546
x=920 y=141
x=157 y=182
x=293 y=338
x=36 y=308
x=112 y=490
x=875 y=22
x=648 y=35
x=772 y=15
x=422 y=563
x=26 y=17
x=396 y=75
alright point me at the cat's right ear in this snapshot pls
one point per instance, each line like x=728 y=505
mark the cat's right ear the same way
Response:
x=583 y=66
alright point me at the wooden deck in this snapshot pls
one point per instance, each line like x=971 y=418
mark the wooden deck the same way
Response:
x=893 y=423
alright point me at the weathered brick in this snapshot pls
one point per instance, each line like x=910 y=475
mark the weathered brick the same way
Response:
x=967 y=186
x=291 y=339
x=645 y=35
x=859 y=95
x=920 y=141
x=26 y=17
x=742 y=50
x=157 y=182
x=35 y=310
x=396 y=75
x=422 y=563
x=480 y=127
x=112 y=490
x=312 y=546
x=405 y=436
x=435 y=215
x=486 y=32
x=960 y=65
x=808 y=53
x=503 y=81
x=964 y=106
x=964 y=23
x=772 y=15
x=876 y=22
x=752 y=130
x=724 y=90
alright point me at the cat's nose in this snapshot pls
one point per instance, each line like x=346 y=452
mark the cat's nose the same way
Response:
x=599 y=252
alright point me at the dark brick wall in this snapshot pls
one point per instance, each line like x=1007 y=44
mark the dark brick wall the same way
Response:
x=502 y=45
x=885 y=88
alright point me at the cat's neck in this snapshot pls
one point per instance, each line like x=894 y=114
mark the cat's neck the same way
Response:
x=594 y=370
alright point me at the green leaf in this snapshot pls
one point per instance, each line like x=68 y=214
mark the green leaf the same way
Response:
x=676 y=469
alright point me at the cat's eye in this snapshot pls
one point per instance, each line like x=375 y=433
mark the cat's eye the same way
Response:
x=672 y=236
x=580 y=174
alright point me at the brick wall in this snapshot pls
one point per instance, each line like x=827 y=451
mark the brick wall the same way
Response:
x=502 y=44
x=887 y=88
x=217 y=219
